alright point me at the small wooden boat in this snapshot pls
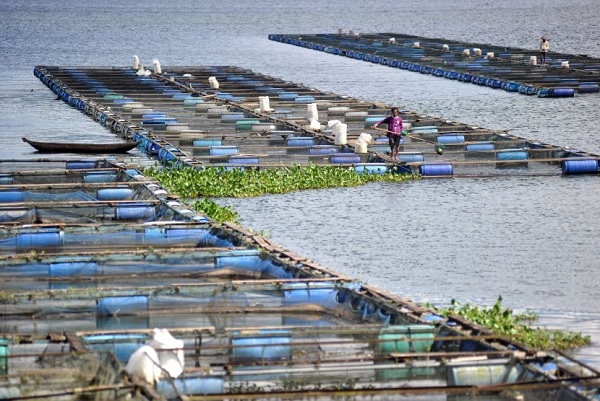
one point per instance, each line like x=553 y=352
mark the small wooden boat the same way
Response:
x=81 y=147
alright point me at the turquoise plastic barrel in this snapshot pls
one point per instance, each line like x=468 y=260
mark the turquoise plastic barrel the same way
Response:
x=206 y=142
x=110 y=306
x=435 y=169
x=405 y=338
x=512 y=154
x=579 y=166
x=304 y=99
x=105 y=194
x=3 y=356
x=6 y=179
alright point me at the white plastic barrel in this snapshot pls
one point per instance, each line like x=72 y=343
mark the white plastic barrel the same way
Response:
x=340 y=130
x=477 y=51
x=490 y=54
x=360 y=147
x=264 y=104
x=564 y=64
x=311 y=112
x=214 y=84
x=533 y=60
x=466 y=53
x=445 y=48
x=416 y=45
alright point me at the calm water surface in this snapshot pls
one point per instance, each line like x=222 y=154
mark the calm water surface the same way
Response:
x=533 y=240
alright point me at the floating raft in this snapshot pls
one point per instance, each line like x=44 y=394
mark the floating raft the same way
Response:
x=98 y=260
x=497 y=67
x=253 y=121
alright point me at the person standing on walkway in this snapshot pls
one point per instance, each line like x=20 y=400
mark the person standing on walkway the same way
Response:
x=544 y=46
x=394 y=131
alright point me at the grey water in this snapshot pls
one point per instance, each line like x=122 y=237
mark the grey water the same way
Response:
x=531 y=240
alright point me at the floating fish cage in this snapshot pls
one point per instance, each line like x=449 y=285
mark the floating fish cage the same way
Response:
x=182 y=307
x=228 y=133
x=495 y=67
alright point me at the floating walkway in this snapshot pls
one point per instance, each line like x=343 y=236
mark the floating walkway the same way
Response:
x=234 y=118
x=113 y=289
x=497 y=67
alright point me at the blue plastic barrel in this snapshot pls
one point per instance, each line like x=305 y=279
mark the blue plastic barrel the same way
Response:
x=190 y=386
x=133 y=304
x=579 y=166
x=434 y=169
x=121 y=345
x=268 y=344
x=344 y=158
x=81 y=165
x=450 y=138
x=104 y=194
x=563 y=92
x=223 y=150
x=68 y=269
x=425 y=130
x=11 y=196
x=410 y=157
x=304 y=99
x=479 y=147
x=312 y=292
x=232 y=117
x=322 y=149
x=588 y=87
x=40 y=238
x=243 y=160
x=192 y=101
x=371 y=168
x=134 y=211
x=99 y=176
x=301 y=141
x=512 y=154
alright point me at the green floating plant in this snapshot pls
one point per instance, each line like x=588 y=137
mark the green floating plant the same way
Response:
x=216 y=182
x=516 y=326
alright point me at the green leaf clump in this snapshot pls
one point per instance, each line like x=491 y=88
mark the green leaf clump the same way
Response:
x=516 y=326
x=218 y=182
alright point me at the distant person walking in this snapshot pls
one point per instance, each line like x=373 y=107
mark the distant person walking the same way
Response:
x=544 y=46
x=394 y=131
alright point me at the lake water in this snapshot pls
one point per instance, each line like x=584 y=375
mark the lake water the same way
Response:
x=532 y=240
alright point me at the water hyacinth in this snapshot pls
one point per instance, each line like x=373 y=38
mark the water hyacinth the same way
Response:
x=239 y=183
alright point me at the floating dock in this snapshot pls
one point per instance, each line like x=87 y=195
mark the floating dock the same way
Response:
x=248 y=120
x=497 y=67
x=114 y=289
